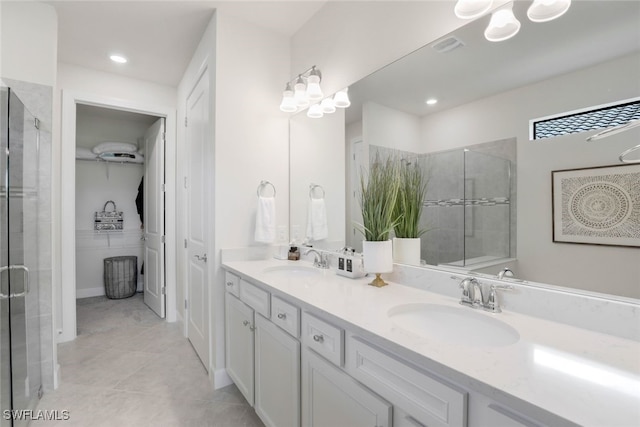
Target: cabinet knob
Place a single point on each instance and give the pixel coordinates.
(245, 323)
(282, 316)
(229, 283)
(318, 338)
(252, 328)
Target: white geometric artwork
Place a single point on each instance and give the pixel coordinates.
(598, 206)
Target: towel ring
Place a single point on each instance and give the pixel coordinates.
(313, 187)
(627, 152)
(264, 184)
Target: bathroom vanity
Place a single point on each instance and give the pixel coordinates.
(308, 347)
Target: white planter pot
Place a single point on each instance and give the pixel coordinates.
(377, 256)
(406, 250)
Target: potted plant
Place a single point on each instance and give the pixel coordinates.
(378, 193)
(408, 209)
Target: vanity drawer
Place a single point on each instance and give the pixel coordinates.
(430, 402)
(327, 340)
(285, 315)
(232, 283)
(254, 297)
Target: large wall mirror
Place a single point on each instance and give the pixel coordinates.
(488, 93)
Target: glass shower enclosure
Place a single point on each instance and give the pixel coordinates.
(20, 352)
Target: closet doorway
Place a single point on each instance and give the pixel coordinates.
(154, 243)
(120, 171)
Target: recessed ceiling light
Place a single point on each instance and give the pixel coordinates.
(431, 101)
(118, 58)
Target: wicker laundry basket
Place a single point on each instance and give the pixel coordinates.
(120, 276)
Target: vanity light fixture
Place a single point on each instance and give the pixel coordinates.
(288, 104)
(328, 106)
(341, 98)
(118, 58)
(431, 101)
(315, 112)
(547, 10)
(471, 9)
(503, 25)
(314, 92)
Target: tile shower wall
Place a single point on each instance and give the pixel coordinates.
(38, 100)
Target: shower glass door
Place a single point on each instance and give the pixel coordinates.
(20, 376)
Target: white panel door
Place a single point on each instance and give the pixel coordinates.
(198, 194)
(154, 283)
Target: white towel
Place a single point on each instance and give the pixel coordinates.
(317, 228)
(121, 147)
(266, 220)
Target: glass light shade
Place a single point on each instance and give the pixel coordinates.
(314, 92)
(288, 104)
(300, 93)
(547, 10)
(503, 25)
(470, 9)
(328, 106)
(341, 98)
(315, 112)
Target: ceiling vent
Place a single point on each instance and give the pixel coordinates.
(447, 45)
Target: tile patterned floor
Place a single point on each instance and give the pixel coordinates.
(129, 368)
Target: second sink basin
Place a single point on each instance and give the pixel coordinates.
(457, 325)
(292, 271)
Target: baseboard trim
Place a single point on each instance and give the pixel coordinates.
(89, 292)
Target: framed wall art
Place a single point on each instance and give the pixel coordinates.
(597, 206)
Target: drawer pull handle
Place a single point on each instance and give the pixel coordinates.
(282, 316)
(229, 283)
(318, 338)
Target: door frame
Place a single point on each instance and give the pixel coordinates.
(66, 293)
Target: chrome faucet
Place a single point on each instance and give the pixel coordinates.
(472, 295)
(320, 259)
(505, 272)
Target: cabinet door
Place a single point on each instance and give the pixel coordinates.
(331, 398)
(277, 375)
(240, 345)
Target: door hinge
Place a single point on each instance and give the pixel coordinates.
(163, 187)
(185, 304)
(164, 136)
(185, 121)
(162, 239)
(185, 182)
(164, 291)
(36, 123)
(185, 243)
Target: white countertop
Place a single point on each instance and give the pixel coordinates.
(586, 377)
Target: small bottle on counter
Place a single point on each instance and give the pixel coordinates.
(294, 253)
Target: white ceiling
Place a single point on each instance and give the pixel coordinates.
(158, 37)
(589, 33)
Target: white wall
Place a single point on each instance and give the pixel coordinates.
(386, 127)
(316, 144)
(28, 49)
(93, 189)
(507, 115)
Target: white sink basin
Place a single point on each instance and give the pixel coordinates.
(292, 271)
(457, 325)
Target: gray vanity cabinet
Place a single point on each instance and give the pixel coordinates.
(240, 345)
(263, 359)
(332, 398)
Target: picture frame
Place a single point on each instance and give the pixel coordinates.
(597, 205)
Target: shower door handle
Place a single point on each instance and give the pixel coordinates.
(2, 294)
(27, 279)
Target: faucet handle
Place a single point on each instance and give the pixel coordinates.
(467, 288)
(493, 305)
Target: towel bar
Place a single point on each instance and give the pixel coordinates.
(312, 187)
(264, 184)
